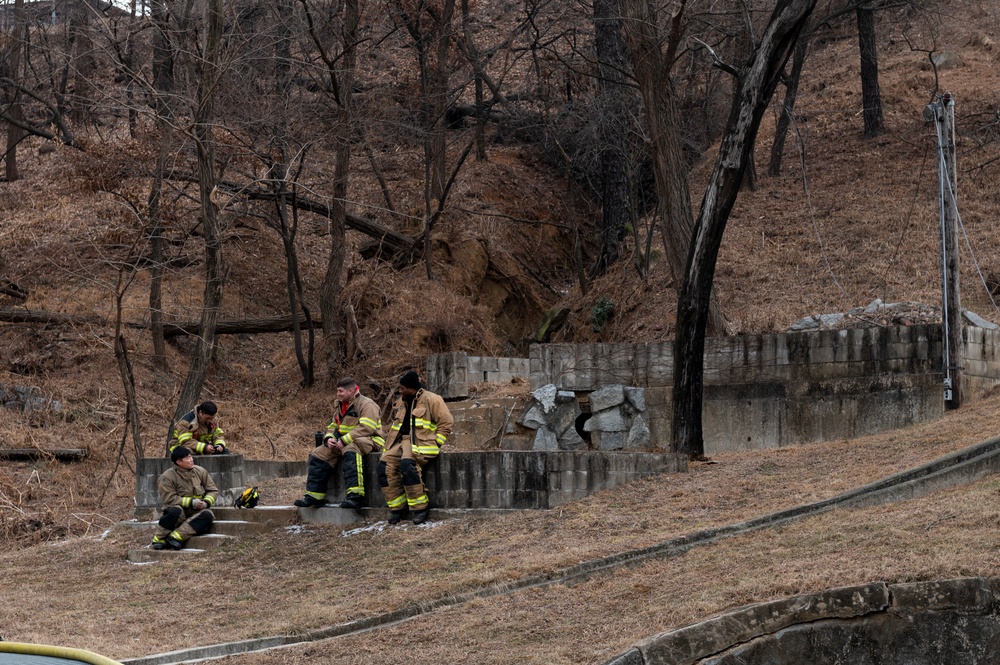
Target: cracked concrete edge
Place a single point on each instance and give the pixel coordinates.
(948, 470)
(690, 645)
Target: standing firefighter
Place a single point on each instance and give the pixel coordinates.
(354, 432)
(198, 431)
(421, 423)
(187, 492)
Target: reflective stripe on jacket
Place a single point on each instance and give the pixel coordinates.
(192, 434)
(363, 420)
(430, 422)
(180, 487)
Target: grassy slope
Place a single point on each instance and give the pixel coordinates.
(82, 592)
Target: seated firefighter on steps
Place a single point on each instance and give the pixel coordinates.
(353, 433)
(187, 492)
(198, 431)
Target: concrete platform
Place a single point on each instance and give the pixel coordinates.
(149, 555)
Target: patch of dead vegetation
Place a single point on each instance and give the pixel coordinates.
(317, 576)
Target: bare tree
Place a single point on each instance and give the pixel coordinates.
(617, 208)
(13, 48)
(652, 66)
(755, 84)
(207, 73)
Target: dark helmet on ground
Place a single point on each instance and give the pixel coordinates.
(248, 499)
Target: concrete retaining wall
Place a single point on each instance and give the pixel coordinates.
(500, 479)
(451, 374)
(227, 471)
(924, 623)
(766, 391)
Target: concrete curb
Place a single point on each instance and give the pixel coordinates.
(963, 466)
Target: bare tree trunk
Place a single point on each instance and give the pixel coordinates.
(871, 98)
(438, 101)
(477, 66)
(652, 71)
(755, 85)
(12, 59)
(83, 62)
(163, 84)
(330, 307)
(788, 106)
(617, 212)
(214, 270)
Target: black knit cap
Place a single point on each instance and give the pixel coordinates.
(410, 380)
(179, 453)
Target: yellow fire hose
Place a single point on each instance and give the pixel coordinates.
(65, 653)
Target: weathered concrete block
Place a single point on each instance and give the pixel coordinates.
(571, 440)
(688, 645)
(546, 397)
(607, 397)
(565, 396)
(636, 397)
(610, 420)
(533, 416)
(608, 440)
(545, 439)
(563, 417)
(638, 435)
(970, 593)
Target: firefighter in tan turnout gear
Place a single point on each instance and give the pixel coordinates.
(187, 492)
(354, 432)
(198, 432)
(421, 423)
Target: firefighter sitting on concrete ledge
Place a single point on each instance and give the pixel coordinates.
(421, 423)
(353, 433)
(198, 431)
(187, 492)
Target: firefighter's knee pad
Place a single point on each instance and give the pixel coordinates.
(202, 522)
(171, 517)
(383, 480)
(408, 469)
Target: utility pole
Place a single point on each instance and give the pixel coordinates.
(951, 318)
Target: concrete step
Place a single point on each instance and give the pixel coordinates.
(225, 527)
(272, 515)
(208, 541)
(240, 527)
(149, 555)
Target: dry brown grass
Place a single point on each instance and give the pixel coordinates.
(81, 591)
(501, 257)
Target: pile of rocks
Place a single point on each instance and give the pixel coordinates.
(552, 413)
(618, 419)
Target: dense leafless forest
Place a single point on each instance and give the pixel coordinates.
(243, 200)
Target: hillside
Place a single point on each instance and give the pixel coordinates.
(850, 220)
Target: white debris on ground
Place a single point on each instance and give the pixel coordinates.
(379, 527)
(297, 528)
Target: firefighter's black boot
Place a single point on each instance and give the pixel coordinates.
(353, 502)
(420, 516)
(309, 501)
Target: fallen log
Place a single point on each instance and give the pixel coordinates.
(271, 324)
(62, 454)
(24, 315)
(245, 326)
